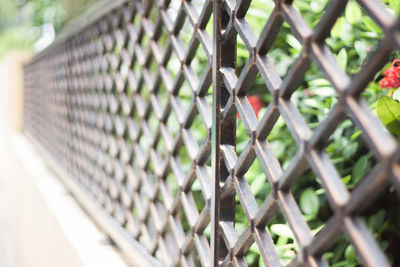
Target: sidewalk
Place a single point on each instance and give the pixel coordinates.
(10, 118)
(7, 172)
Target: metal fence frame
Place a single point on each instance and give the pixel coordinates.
(86, 130)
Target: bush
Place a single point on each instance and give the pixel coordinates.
(352, 39)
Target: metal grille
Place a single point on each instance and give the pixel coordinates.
(122, 105)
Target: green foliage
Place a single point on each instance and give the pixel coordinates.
(353, 13)
(352, 39)
(309, 202)
(14, 38)
(21, 21)
(361, 167)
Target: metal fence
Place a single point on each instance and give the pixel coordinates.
(120, 102)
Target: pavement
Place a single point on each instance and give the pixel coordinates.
(7, 167)
(10, 102)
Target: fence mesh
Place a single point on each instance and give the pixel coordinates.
(151, 111)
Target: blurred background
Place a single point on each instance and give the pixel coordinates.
(32, 24)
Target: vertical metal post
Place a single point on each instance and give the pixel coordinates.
(223, 132)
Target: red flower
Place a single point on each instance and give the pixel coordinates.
(256, 104)
(391, 77)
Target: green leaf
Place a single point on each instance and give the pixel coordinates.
(346, 179)
(376, 221)
(293, 42)
(345, 124)
(260, 261)
(350, 149)
(350, 253)
(259, 183)
(361, 167)
(314, 103)
(338, 28)
(361, 48)
(388, 111)
(251, 258)
(338, 250)
(353, 13)
(282, 230)
(327, 255)
(320, 191)
(319, 82)
(342, 59)
(309, 202)
(371, 25)
(316, 230)
(324, 91)
(356, 134)
(282, 240)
